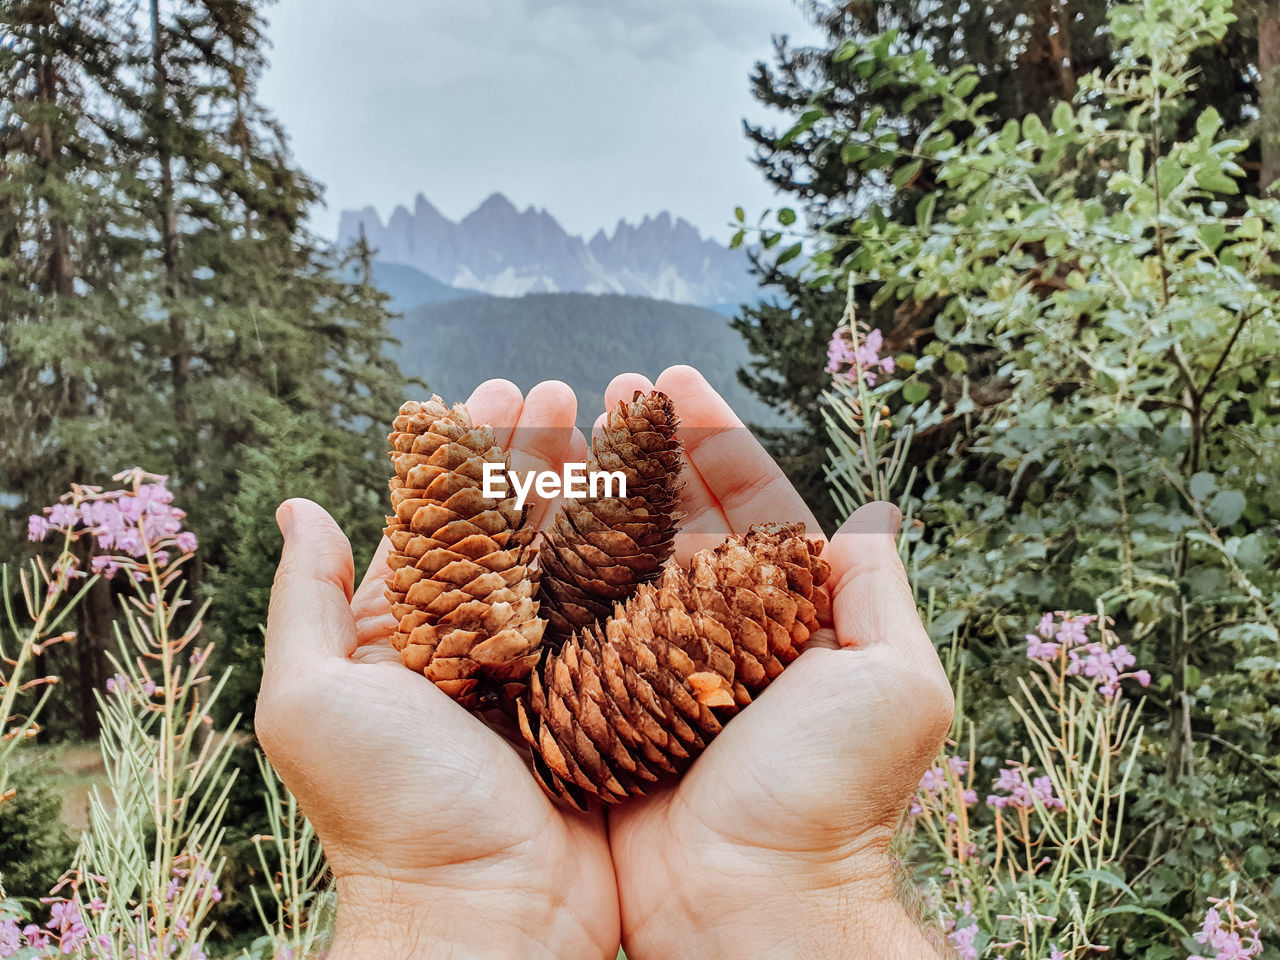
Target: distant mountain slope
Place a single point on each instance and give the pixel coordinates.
(500, 250)
(411, 288)
(582, 339)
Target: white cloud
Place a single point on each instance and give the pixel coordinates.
(594, 110)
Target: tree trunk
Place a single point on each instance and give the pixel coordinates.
(1269, 91)
(179, 339)
(1048, 51)
(58, 277)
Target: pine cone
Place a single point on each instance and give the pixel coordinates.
(620, 705)
(460, 585)
(597, 551)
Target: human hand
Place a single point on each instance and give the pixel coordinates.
(775, 842)
(441, 841)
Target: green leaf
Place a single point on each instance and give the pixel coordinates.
(786, 216)
(1208, 123)
(1063, 117)
(1107, 878)
(853, 152)
(1033, 130)
(1145, 912)
(1257, 861)
(1226, 507)
(925, 208)
(1203, 484)
(1214, 179)
(789, 254)
(913, 391)
(905, 174)
(739, 214)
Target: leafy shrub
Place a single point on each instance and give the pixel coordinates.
(35, 846)
(1119, 449)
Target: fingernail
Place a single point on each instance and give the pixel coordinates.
(284, 519)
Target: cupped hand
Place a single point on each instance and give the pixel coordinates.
(775, 842)
(441, 841)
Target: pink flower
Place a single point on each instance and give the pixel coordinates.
(1234, 938)
(103, 564)
(64, 917)
(936, 782)
(842, 353)
(10, 937)
(36, 938)
(37, 529)
(1094, 660)
(62, 515)
(127, 523)
(1022, 791)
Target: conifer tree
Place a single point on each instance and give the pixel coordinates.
(164, 302)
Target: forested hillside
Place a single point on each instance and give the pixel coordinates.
(583, 339)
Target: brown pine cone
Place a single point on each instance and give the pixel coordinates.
(597, 551)
(623, 704)
(460, 585)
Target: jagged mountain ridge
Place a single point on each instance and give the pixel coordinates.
(503, 251)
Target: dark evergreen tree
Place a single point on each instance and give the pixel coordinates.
(164, 303)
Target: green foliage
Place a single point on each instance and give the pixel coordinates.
(35, 847)
(1102, 292)
(834, 156)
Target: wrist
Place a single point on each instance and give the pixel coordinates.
(383, 919)
(830, 912)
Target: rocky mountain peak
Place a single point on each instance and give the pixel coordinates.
(501, 250)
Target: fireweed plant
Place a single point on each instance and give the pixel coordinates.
(144, 884)
(1017, 857)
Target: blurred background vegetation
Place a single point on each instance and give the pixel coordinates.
(1055, 214)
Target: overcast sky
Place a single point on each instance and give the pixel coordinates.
(593, 109)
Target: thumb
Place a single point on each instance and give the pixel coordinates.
(310, 614)
(871, 600)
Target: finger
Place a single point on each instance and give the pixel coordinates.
(578, 450)
(543, 437)
(496, 403)
(370, 606)
(871, 599)
(310, 613)
(376, 573)
(623, 387)
(704, 524)
(740, 475)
